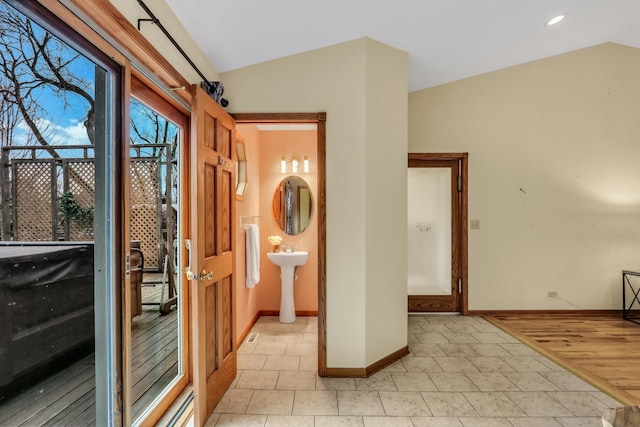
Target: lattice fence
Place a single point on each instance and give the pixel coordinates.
(31, 209)
(79, 180)
(145, 211)
(32, 194)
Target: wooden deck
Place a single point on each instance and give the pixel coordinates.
(67, 397)
(603, 350)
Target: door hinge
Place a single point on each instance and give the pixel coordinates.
(459, 285)
(459, 183)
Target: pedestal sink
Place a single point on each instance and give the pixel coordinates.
(287, 261)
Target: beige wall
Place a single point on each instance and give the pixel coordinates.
(553, 175)
(386, 199)
(132, 11)
(333, 80)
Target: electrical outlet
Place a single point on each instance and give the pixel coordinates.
(552, 294)
(474, 224)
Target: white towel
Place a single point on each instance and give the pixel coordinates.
(252, 255)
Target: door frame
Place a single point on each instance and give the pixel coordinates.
(459, 248)
(145, 91)
(320, 120)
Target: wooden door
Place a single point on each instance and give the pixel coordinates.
(212, 259)
(449, 296)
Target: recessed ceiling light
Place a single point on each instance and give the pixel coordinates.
(555, 20)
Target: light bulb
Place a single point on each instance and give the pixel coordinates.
(283, 166)
(294, 165)
(306, 164)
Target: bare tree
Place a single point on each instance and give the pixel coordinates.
(33, 63)
(9, 115)
(149, 127)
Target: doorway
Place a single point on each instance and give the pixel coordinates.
(437, 232)
(320, 120)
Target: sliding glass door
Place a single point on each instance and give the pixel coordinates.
(59, 257)
(155, 337)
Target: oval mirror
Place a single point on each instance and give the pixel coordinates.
(292, 205)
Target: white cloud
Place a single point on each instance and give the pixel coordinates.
(74, 134)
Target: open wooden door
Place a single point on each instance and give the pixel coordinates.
(212, 259)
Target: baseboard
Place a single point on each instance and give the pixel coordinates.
(301, 313)
(246, 331)
(371, 369)
(576, 312)
(347, 372)
(383, 363)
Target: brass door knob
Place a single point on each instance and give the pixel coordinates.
(208, 275)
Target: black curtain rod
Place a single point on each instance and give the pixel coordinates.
(156, 21)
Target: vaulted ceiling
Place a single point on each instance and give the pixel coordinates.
(446, 40)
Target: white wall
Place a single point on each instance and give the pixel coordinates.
(334, 80)
(554, 178)
(132, 11)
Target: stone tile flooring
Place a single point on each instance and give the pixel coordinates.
(462, 371)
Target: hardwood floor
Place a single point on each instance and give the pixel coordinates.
(603, 350)
(67, 396)
(154, 351)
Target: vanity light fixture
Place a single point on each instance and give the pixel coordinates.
(555, 20)
(294, 165)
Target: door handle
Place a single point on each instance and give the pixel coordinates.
(187, 270)
(206, 275)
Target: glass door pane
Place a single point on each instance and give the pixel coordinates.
(155, 218)
(429, 231)
(53, 233)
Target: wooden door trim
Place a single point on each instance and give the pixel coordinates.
(128, 40)
(414, 159)
(279, 117)
(320, 119)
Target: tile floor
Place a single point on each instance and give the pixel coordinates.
(462, 371)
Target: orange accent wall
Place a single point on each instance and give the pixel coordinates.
(264, 151)
(274, 145)
(247, 299)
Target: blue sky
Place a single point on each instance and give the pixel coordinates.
(62, 113)
(62, 116)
